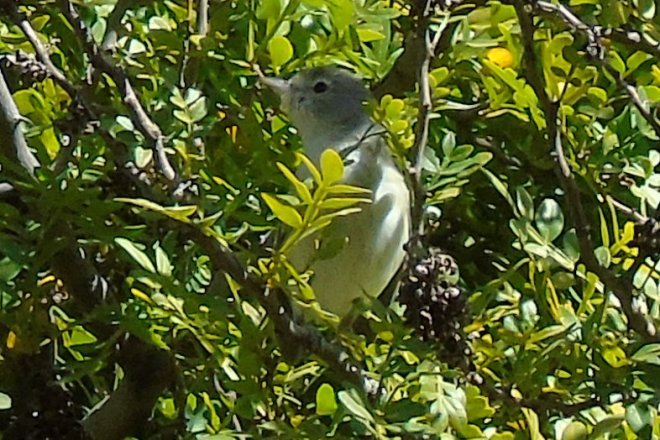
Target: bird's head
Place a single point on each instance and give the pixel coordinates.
(321, 99)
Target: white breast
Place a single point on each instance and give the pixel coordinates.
(373, 239)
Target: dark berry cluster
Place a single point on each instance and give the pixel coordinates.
(435, 306)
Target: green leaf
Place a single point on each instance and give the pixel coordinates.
(340, 203)
(332, 167)
(78, 336)
(354, 405)
(532, 424)
(524, 203)
(549, 219)
(326, 404)
(341, 188)
(367, 35)
(300, 187)
(286, 214)
(311, 167)
(616, 62)
(646, 8)
(140, 257)
(180, 213)
(163, 262)
(639, 416)
(280, 50)
(342, 13)
(574, 431)
(269, 9)
(9, 269)
(649, 353)
(605, 426)
(5, 401)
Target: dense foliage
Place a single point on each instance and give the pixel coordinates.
(139, 185)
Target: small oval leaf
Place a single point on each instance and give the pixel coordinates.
(280, 50)
(332, 167)
(326, 404)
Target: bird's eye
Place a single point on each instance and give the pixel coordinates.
(320, 87)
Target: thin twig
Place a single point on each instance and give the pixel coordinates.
(423, 118)
(641, 106)
(634, 39)
(203, 17)
(40, 49)
(138, 114)
(627, 210)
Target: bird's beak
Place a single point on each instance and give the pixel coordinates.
(278, 85)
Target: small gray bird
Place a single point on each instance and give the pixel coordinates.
(326, 107)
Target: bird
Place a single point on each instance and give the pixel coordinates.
(326, 106)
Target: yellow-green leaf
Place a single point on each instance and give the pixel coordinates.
(286, 214)
(340, 203)
(300, 187)
(326, 404)
(311, 167)
(140, 257)
(280, 50)
(332, 167)
(341, 188)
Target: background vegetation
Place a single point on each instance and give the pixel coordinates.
(136, 149)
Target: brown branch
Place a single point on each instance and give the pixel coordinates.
(42, 53)
(423, 119)
(287, 328)
(138, 114)
(10, 123)
(619, 287)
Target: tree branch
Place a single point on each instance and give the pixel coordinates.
(138, 114)
(203, 17)
(286, 327)
(423, 116)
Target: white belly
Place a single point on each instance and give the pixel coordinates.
(372, 250)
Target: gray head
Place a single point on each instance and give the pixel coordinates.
(322, 101)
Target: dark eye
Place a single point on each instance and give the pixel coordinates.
(320, 87)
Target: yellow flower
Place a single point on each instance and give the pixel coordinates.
(500, 56)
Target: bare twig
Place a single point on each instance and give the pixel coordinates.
(203, 17)
(622, 289)
(641, 106)
(423, 117)
(10, 122)
(627, 210)
(138, 114)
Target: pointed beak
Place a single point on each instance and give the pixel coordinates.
(278, 85)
